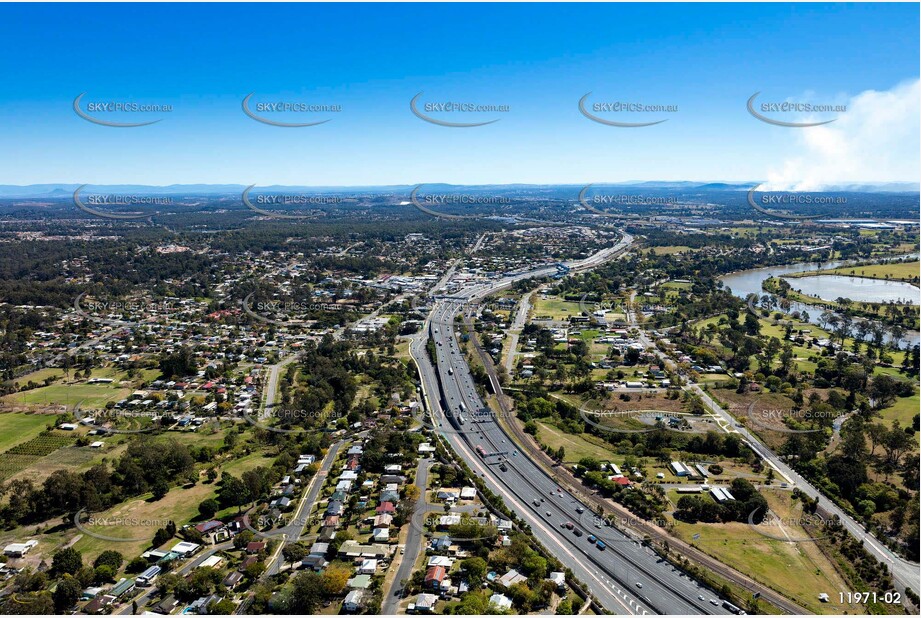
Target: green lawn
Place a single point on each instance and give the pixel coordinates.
(590, 335)
(576, 446)
(557, 309)
(668, 250)
(70, 392)
(903, 411)
(17, 428)
(799, 570)
(92, 395)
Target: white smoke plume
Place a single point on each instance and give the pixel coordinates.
(876, 141)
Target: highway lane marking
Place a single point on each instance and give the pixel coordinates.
(456, 380)
(460, 444)
(458, 376)
(540, 524)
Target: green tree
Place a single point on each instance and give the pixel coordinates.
(207, 508)
(160, 489)
(475, 568)
(136, 565)
(306, 593)
(293, 553)
(104, 574)
(67, 560)
(66, 593)
(111, 558)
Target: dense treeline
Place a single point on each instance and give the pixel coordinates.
(149, 464)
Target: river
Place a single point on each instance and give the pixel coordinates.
(828, 287)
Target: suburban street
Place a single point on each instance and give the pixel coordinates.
(293, 531)
(181, 571)
(414, 541)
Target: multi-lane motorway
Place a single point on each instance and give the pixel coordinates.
(624, 576)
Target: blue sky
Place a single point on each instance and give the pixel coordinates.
(372, 59)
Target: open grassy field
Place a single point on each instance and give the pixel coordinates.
(142, 375)
(18, 428)
(894, 271)
(555, 308)
(92, 395)
(903, 411)
(589, 335)
(800, 570)
(39, 376)
(715, 320)
(669, 250)
(576, 446)
(905, 247)
(66, 391)
(402, 351)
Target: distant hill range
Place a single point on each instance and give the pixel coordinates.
(64, 190)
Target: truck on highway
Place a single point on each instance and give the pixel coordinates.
(733, 608)
(481, 451)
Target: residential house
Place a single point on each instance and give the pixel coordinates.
(501, 602)
(232, 580)
(359, 582)
(167, 605)
(425, 604)
(434, 576)
(353, 601)
(511, 578)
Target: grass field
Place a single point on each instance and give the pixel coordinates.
(67, 391)
(556, 309)
(893, 271)
(799, 570)
(589, 335)
(18, 428)
(903, 411)
(142, 516)
(92, 395)
(576, 446)
(669, 250)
